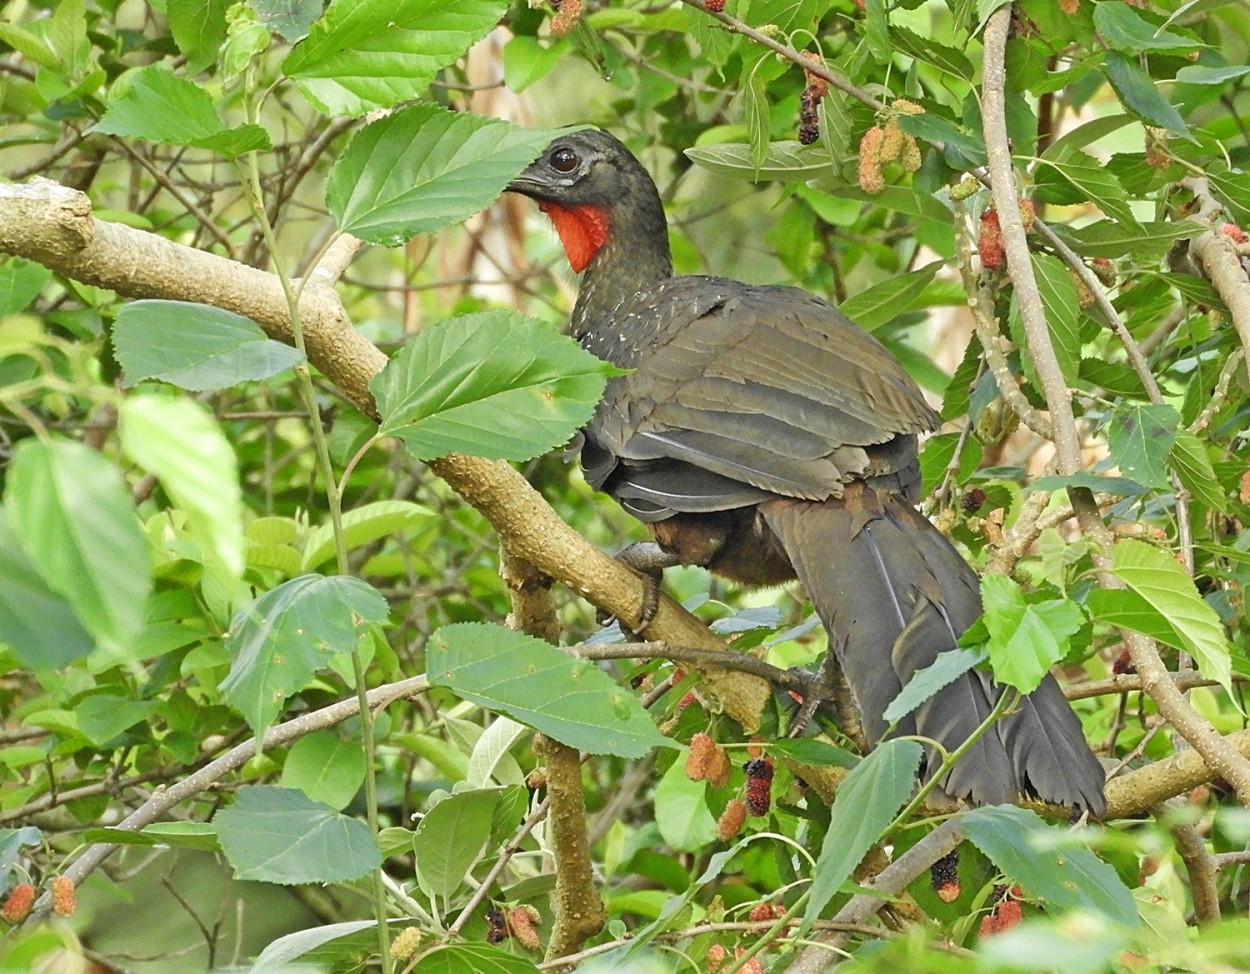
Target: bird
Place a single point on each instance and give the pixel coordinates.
(761, 434)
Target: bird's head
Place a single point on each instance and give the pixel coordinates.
(588, 183)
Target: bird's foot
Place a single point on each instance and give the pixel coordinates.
(649, 560)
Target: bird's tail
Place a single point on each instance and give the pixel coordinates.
(893, 593)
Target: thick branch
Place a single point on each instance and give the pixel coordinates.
(48, 223)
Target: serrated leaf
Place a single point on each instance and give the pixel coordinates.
(290, 19)
(362, 525)
(195, 346)
(38, 623)
(367, 54)
(809, 750)
(947, 59)
(1058, 295)
(1026, 638)
(1020, 844)
(325, 767)
(1167, 607)
(534, 682)
(1140, 436)
(1107, 238)
(1140, 96)
(157, 105)
(786, 161)
(945, 670)
(73, 517)
(178, 441)
(494, 384)
(287, 634)
(1232, 188)
(868, 799)
(876, 30)
(423, 168)
(1125, 29)
(874, 306)
(1093, 181)
(198, 28)
(963, 149)
(277, 835)
(451, 837)
(1192, 464)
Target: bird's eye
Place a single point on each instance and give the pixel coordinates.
(564, 160)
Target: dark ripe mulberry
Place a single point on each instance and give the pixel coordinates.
(759, 785)
(809, 115)
(972, 501)
(497, 927)
(944, 877)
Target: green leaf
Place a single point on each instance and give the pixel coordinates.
(527, 60)
(367, 54)
(756, 110)
(450, 839)
(1108, 238)
(945, 670)
(290, 19)
(1140, 436)
(681, 811)
(40, 625)
(276, 835)
(195, 346)
(494, 384)
(876, 30)
(73, 517)
(363, 525)
(1232, 188)
(20, 283)
(199, 29)
(154, 104)
(1167, 607)
(1058, 295)
(535, 683)
(333, 947)
(325, 767)
(1093, 181)
(1026, 638)
(947, 59)
(874, 306)
(473, 959)
(787, 162)
(103, 716)
(178, 441)
(423, 168)
(867, 802)
(201, 836)
(1192, 464)
(287, 634)
(1203, 74)
(963, 149)
(1140, 96)
(809, 750)
(1124, 29)
(1023, 846)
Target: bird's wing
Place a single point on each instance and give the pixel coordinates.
(765, 386)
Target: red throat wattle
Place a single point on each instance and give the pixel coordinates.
(583, 229)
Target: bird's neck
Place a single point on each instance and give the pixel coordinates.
(633, 256)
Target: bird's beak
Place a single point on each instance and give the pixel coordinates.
(526, 184)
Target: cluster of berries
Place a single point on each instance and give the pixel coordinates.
(20, 900)
(888, 143)
(707, 761)
(520, 923)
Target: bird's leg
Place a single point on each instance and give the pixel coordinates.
(648, 559)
